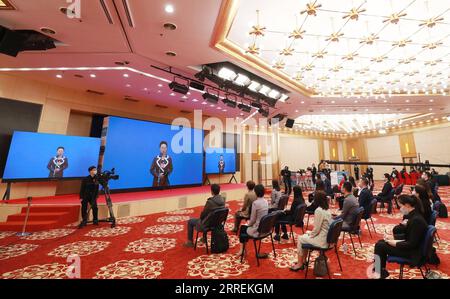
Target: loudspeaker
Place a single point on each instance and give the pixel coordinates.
(290, 123)
(11, 42)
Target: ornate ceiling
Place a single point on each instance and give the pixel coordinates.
(335, 48)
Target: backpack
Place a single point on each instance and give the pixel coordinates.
(320, 266)
(434, 258)
(219, 240)
(443, 213)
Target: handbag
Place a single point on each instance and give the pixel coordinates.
(321, 266)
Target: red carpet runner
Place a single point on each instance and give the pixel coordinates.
(151, 247)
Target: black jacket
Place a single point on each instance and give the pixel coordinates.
(212, 203)
(387, 188)
(414, 233)
(89, 188)
(365, 198)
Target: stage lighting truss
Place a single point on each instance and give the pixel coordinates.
(254, 86)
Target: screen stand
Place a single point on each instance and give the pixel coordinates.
(7, 194)
(206, 181)
(233, 178)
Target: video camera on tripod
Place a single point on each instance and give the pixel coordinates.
(103, 179)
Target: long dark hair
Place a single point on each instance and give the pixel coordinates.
(321, 200)
(352, 181)
(424, 197)
(298, 194)
(276, 185)
(423, 183)
(320, 186)
(345, 177)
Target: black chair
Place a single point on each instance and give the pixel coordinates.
(433, 219)
(296, 219)
(244, 218)
(388, 199)
(355, 229)
(265, 229)
(216, 219)
(282, 203)
(427, 249)
(309, 213)
(332, 239)
(398, 191)
(372, 208)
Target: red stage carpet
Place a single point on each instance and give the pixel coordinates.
(151, 247)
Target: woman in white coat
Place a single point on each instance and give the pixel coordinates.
(318, 236)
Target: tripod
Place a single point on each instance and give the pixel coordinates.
(108, 200)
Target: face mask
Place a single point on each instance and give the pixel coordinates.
(404, 211)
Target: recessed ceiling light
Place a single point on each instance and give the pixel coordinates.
(126, 75)
(169, 8)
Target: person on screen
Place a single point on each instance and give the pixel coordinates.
(221, 165)
(58, 164)
(89, 195)
(161, 167)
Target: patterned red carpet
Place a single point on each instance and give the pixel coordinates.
(151, 247)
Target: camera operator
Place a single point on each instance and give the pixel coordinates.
(89, 194)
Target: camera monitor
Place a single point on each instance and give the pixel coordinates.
(38, 156)
(220, 160)
(152, 155)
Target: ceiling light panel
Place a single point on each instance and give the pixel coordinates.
(342, 47)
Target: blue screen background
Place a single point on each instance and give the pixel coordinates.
(131, 146)
(213, 156)
(30, 153)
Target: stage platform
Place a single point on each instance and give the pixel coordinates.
(133, 203)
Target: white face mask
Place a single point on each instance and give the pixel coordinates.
(404, 211)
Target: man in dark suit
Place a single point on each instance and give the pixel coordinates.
(89, 195)
(286, 174)
(356, 169)
(386, 193)
(58, 164)
(365, 197)
(213, 203)
(313, 173)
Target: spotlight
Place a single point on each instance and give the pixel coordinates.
(227, 74)
(256, 105)
(284, 98)
(212, 98)
(197, 85)
(178, 87)
(263, 112)
(206, 72)
(229, 103)
(245, 108)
